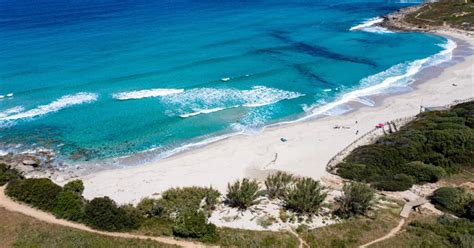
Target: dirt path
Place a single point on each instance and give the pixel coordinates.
(303, 243)
(392, 233)
(13, 206)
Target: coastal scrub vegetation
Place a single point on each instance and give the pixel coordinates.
(7, 174)
(39, 192)
(305, 196)
(243, 194)
(457, 201)
(455, 13)
(436, 144)
(356, 199)
(277, 184)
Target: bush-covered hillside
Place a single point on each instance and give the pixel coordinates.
(436, 144)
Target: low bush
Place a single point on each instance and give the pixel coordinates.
(104, 214)
(41, 193)
(75, 186)
(277, 184)
(242, 194)
(469, 210)
(149, 207)
(69, 206)
(305, 196)
(7, 174)
(452, 200)
(424, 172)
(356, 199)
(176, 200)
(399, 182)
(193, 224)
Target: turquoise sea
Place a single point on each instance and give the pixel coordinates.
(93, 80)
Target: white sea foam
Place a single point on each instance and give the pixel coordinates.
(370, 25)
(396, 76)
(201, 111)
(11, 111)
(61, 103)
(207, 100)
(145, 93)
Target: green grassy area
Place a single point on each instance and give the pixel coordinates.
(227, 236)
(354, 231)
(455, 13)
(431, 231)
(17, 230)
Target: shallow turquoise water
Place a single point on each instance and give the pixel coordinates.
(78, 69)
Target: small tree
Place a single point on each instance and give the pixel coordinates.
(69, 206)
(305, 196)
(242, 194)
(75, 186)
(193, 224)
(277, 184)
(356, 199)
(103, 213)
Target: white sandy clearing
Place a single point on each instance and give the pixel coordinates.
(309, 147)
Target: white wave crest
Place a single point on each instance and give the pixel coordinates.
(370, 25)
(145, 93)
(61, 103)
(398, 75)
(207, 100)
(11, 111)
(202, 111)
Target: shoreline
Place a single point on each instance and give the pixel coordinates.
(310, 143)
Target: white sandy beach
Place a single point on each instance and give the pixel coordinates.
(310, 144)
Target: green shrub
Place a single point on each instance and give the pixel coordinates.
(277, 184)
(7, 174)
(305, 196)
(41, 193)
(193, 224)
(242, 194)
(179, 199)
(149, 207)
(440, 140)
(75, 186)
(469, 210)
(452, 200)
(399, 182)
(356, 199)
(102, 213)
(69, 206)
(424, 172)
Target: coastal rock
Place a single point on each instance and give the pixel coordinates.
(31, 162)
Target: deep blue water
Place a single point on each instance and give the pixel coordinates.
(78, 69)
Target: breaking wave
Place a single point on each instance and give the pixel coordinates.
(370, 25)
(61, 103)
(208, 100)
(145, 93)
(396, 76)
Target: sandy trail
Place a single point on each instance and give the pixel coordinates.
(392, 233)
(13, 206)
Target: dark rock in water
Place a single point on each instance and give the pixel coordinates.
(31, 162)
